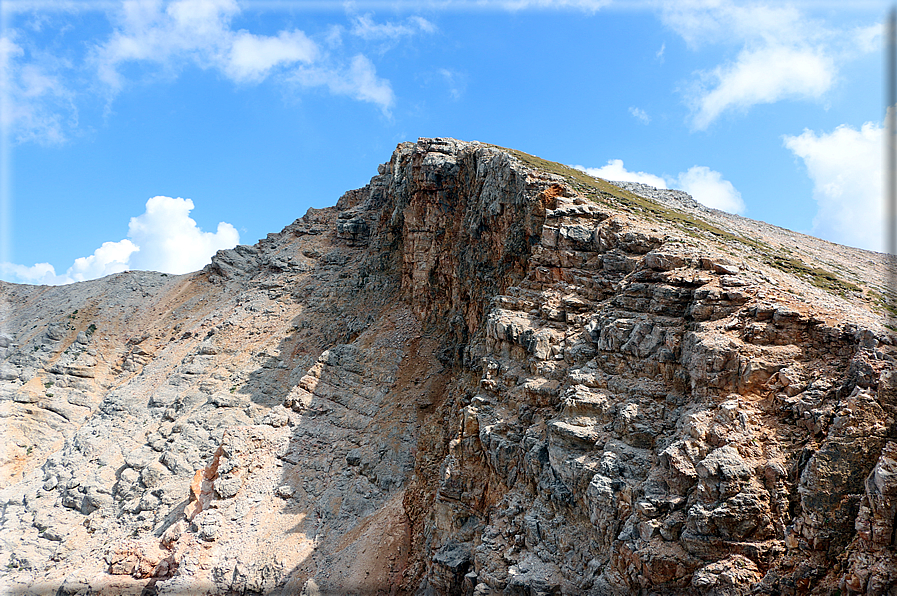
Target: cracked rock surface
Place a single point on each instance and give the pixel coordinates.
(482, 373)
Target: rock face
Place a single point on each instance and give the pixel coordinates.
(482, 373)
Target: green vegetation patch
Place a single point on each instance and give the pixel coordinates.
(883, 303)
(815, 275)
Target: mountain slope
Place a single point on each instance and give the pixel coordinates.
(481, 373)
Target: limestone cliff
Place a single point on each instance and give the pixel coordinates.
(482, 373)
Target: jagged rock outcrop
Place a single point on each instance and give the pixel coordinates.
(482, 373)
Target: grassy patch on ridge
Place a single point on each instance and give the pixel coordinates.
(603, 191)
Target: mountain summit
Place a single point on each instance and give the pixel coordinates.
(482, 373)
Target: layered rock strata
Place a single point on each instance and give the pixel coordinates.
(482, 373)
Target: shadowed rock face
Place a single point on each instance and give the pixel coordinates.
(472, 376)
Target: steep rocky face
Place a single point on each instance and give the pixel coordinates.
(480, 374)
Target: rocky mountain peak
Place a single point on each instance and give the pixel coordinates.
(481, 373)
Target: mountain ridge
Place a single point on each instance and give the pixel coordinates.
(481, 373)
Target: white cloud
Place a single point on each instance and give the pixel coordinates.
(195, 31)
(514, 5)
(365, 28)
(8, 50)
(359, 81)
(34, 103)
(701, 22)
(150, 31)
(111, 257)
(169, 239)
(150, 38)
(868, 39)
(709, 188)
(845, 166)
(457, 82)
(615, 171)
(253, 56)
(640, 115)
(200, 32)
(39, 273)
(164, 238)
(705, 185)
(761, 76)
(784, 54)
(660, 52)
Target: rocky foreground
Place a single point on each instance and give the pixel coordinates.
(483, 373)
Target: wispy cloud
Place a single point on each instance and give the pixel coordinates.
(200, 31)
(35, 104)
(784, 54)
(640, 115)
(168, 35)
(366, 28)
(588, 6)
(845, 166)
(150, 38)
(761, 76)
(164, 238)
(457, 82)
(359, 80)
(197, 32)
(867, 39)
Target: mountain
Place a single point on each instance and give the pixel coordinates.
(482, 373)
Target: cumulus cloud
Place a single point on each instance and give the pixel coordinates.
(784, 54)
(253, 56)
(149, 31)
(111, 257)
(640, 115)
(615, 171)
(170, 240)
(709, 188)
(706, 186)
(197, 31)
(164, 238)
(39, 273)
(845, 166)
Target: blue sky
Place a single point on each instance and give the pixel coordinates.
(148, 134)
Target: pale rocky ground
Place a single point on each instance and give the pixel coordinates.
(472, 376)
